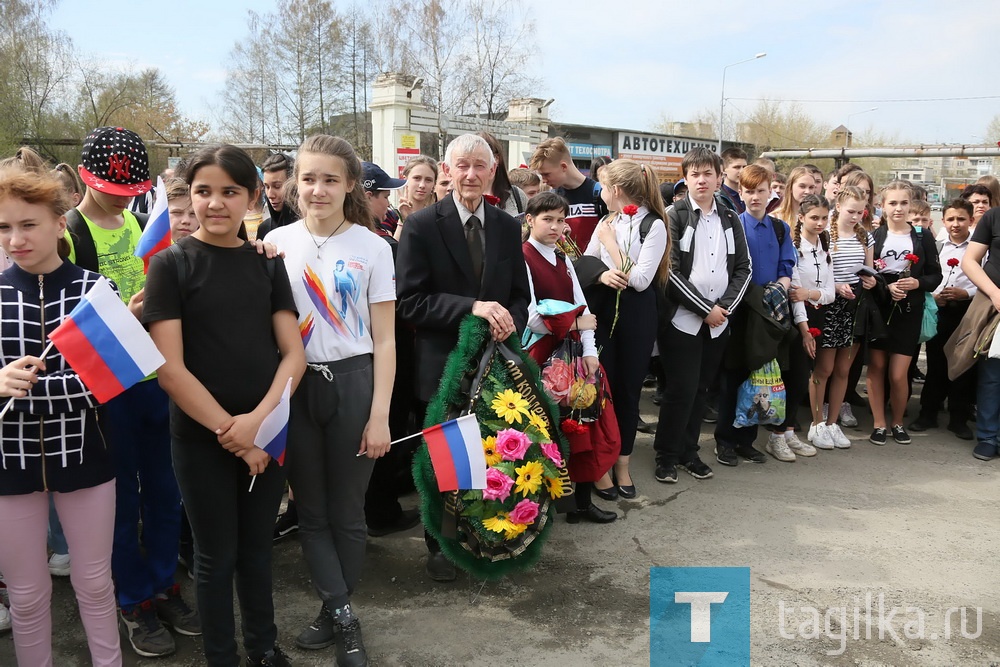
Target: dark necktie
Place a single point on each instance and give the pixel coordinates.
(474, 238)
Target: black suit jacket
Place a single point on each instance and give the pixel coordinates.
(435, 284)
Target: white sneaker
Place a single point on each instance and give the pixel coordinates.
(59, 565)
(777, 448)
(4, 618)
(826, 411)
(840, 441)
(821, 437)
(847, 417)
(797, 446)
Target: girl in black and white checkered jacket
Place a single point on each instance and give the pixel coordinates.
(50, 440)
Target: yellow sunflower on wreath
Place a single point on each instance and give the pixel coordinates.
(529, 478)
(509, 405)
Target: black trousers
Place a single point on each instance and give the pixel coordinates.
(961, 393)
(690, 365)
(796, 378)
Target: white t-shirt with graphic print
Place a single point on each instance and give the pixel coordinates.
(334, 285)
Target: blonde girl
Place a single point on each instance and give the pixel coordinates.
(908, 265)
(801, 183)
(623, 303)
(421, 173)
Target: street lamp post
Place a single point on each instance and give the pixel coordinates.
(851, 115)
(722, 102)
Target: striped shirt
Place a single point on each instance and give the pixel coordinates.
(847, 258)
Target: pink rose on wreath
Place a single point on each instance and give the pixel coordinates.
(524, 512)
(498, 485)
(551, 450)
(557, 378)
(512, 444)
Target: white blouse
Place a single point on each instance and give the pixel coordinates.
(646, 256)
(812, 272)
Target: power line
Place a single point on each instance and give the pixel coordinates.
(926, 99)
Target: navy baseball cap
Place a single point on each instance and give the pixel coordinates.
(374, 179)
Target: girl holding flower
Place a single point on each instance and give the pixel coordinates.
(634, 262)
(551, 276)
(908, 264)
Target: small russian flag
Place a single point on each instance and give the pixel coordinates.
(272, 436)
(456, 450)
(105, 344)
(156, 236)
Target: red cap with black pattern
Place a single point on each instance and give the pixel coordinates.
(115, 161)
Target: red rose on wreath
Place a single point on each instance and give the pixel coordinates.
(630, 210)
(953, 262)
(557, 378)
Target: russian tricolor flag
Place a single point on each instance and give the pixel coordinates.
(456, 450)
(105, 344)
(272, 436)
(156, 236)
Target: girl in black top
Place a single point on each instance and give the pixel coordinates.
(226, 324)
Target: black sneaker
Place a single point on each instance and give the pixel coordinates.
(919, 377)
(666, 473)
(726, 456)
(921, 424)
(645, 427)
(878, 436)
(711, 415)
(985, 451)
(175, 613)
(145, 633)
(697, 468)
(320, 633)
(900, 435)
(407, 519)
(350, 646)
(273, 658)
(961, 431)
(287, 523)
(751, 454)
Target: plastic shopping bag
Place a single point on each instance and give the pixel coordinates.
(761, 398)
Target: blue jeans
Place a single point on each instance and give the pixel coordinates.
(988, 401)
(57, 540)
(137, 424)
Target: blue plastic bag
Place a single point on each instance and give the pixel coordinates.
(761, 398)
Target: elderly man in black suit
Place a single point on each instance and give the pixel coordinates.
(460, 256)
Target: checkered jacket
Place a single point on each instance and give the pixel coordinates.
(49, 440)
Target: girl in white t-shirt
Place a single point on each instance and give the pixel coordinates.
(343, 282)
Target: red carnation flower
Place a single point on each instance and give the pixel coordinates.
(630, 210)
(490, 199)
(953, 262)
(571, 426)
(911, 258)
(814, 332)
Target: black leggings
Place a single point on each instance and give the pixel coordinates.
(625, 354)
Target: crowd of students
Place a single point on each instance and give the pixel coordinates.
(285, 275)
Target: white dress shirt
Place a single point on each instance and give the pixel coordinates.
(535, 321)
(955, 277)
(709, 270)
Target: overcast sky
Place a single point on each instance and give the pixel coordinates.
(624, 64)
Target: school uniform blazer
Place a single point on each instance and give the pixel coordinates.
(683, 222)
(928, 270)
(435, 286)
